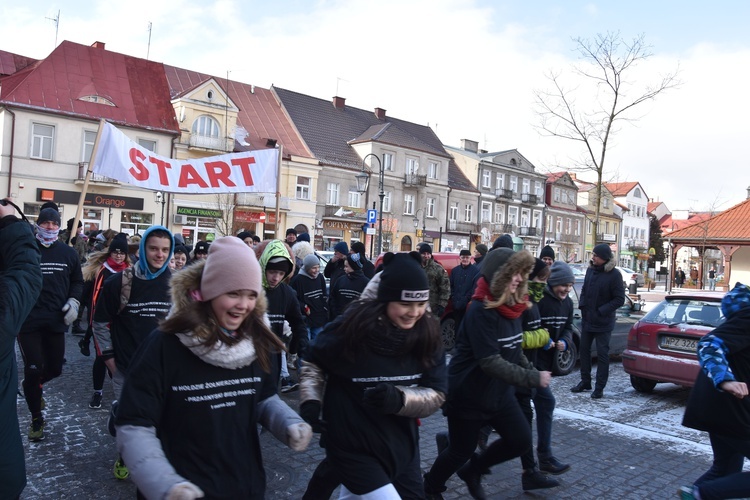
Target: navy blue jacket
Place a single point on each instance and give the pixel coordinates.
(462, 285)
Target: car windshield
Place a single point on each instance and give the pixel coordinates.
(688, 311)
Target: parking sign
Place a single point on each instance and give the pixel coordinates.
(372, 216)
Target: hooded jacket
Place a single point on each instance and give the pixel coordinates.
(602, 294)
(21, 283)
(440, 286)
(312, 297)
(282, 300)
(118, 331)
(488, 360)
(182, 397)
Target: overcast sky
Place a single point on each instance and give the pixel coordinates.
(467, 68)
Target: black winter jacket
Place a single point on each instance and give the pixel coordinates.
(602, 294)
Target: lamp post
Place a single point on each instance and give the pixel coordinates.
(160, 197)
(363, 183)
(416, 221)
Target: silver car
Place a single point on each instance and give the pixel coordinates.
(629, 276)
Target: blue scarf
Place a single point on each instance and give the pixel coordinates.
(46, 236)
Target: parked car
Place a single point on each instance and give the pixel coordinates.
(662, 345)
(629, 276)
(325, 256)
(627, 316)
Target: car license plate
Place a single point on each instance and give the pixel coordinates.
(681, 344)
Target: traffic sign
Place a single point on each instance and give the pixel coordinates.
(372, 216)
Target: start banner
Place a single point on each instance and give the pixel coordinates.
(120, 158)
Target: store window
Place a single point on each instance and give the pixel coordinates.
(135, 222)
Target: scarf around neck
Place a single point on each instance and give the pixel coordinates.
(482, 292)
(114, 266)
(46, 236)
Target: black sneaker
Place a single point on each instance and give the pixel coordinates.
(288, 384)
(77, 328)
(553, 466)
(96, 400)
(597, 394)
(84, 347)
(473, 479)
(532, 479)
(582, 386)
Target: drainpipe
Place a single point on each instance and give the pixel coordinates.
(12, 141)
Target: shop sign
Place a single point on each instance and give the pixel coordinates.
(91, 200)
(200, 212)
(344, 226)
(257, 217)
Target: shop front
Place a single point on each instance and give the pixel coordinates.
(259, 222)
(198, 224)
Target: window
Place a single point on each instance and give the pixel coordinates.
(486, 178)
(387, 202)
(578, 228)
(303, 188)
(468, 213)
(146, 144)
(512, 215)
(537, 219)
(486, 211)
(89, 137)
(354, 199)
(499, 214)
(605, 202)
(549, 224)
(589, 226)
(333, 194)
(556, 194)
(42, 139)
(558, 225)
(500, 181)
(453, 211)
(135, 222)
(411, 166)
(537, 188)
(568, 225)
(514, 183)
(430, 207)
(526, 185)
(606, 227)
(388, 162)
(206, 126)
(525, 217)
(637, 193)
(409, 204)
(433, 171)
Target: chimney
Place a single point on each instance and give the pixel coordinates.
(469, 145)
(572, 175)
(338, 102)
(748, 192)
(380, 115)
(98, 45)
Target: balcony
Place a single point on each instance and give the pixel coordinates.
(529, 198)
(265, 200)
(95, 178)
(528, 231)
(606, 237)
(415, 180)
(503, 194)
(463, 227)
(344, 212)
(223, 144)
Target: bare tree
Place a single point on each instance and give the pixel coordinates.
(608, 61)
(226, 203)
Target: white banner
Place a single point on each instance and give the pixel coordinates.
(120, 158)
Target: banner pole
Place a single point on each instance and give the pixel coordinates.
(278, 189)
(84, 190)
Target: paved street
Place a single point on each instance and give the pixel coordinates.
(626, 445)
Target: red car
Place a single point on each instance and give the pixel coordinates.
(662, 345)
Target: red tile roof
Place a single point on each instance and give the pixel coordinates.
(732, 224)
(137, 87)
(260, 114)
(552, 177)
(620, 188)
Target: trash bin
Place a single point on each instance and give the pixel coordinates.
(633, 288)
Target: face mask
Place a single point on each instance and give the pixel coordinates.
(46, 236)
(536, 290)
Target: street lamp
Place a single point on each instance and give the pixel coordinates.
(416, 221)
(363, 182)
(160, 197)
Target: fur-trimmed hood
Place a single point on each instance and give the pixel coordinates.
(519, 263)
(607, 267)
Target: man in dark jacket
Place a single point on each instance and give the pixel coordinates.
(368, 269)
(335, 267)
(602, 294)
(42, 336)
(718, 402)
(20, 282)
(462, 285)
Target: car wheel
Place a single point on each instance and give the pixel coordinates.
(448, 332)
(564, 361)
(641, 384)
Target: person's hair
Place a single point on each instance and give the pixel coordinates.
(199, 319)
(95, 261)
(159, 233)
(424, 341)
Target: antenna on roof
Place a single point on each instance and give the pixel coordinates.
(148, 48)
(56, 19)
(339, 79)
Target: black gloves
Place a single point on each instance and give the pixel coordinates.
(439, 310)
(384, 398)
(310, 413)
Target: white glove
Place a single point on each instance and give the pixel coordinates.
(184, 491)
(71, 311)
(299, 436)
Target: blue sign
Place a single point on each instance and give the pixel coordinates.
(372, 216)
